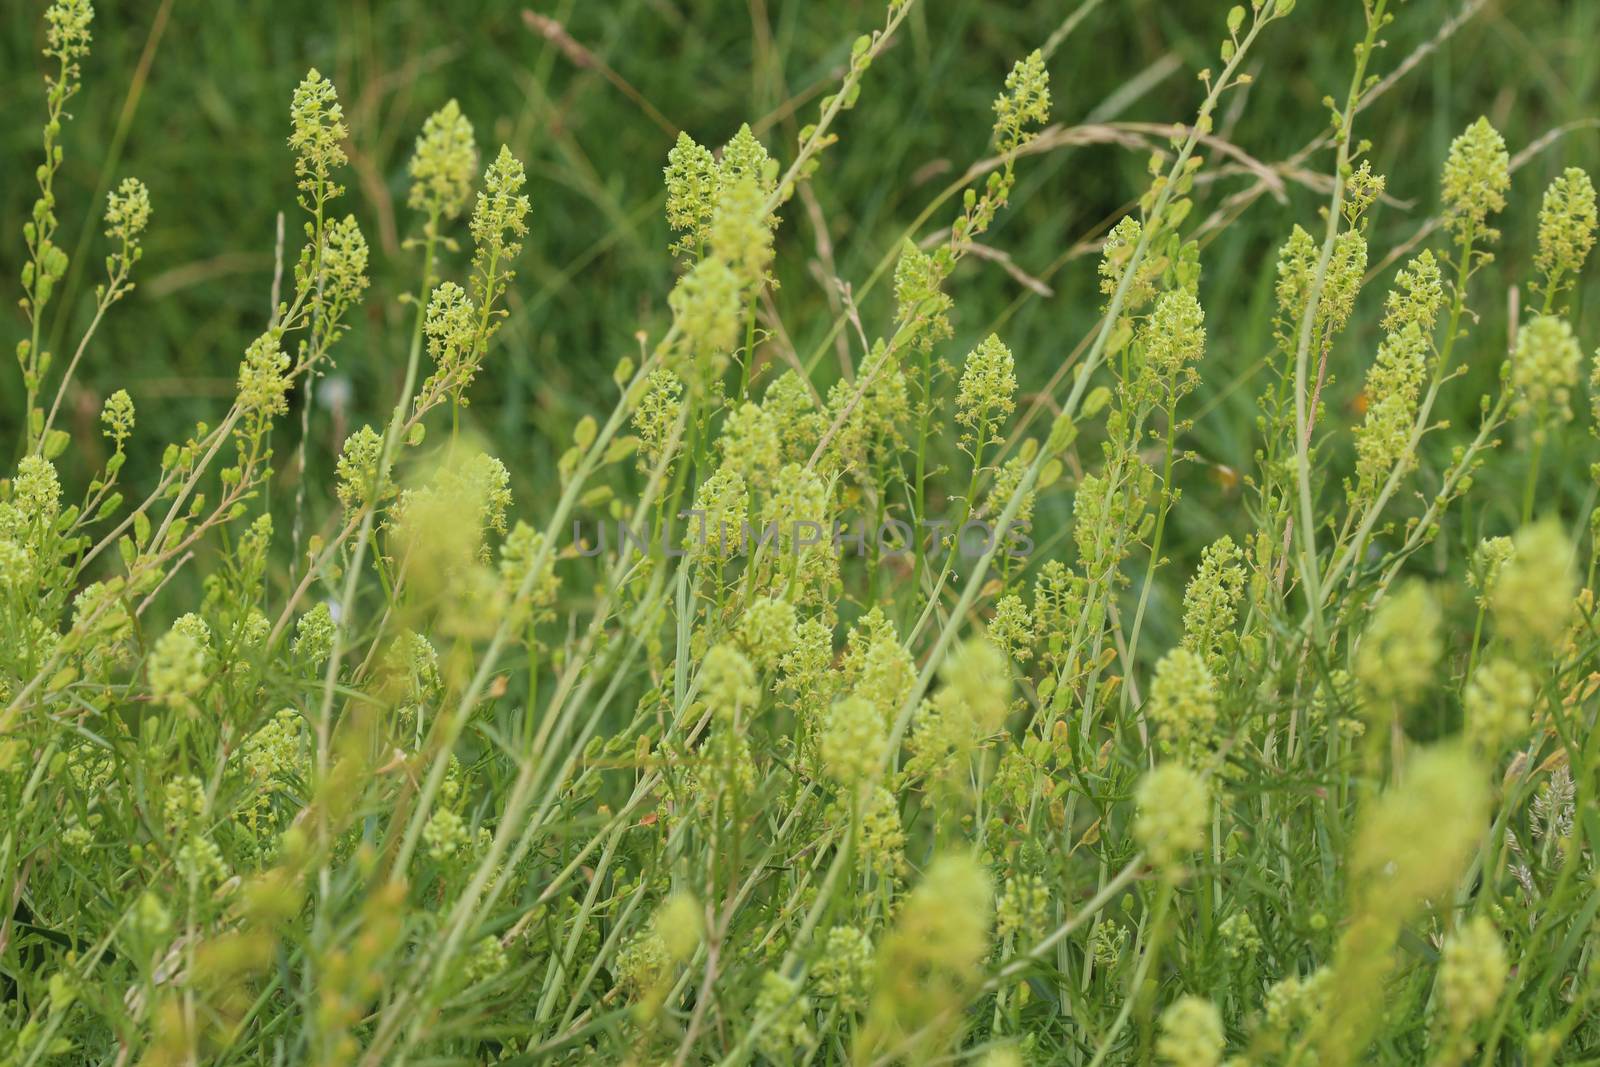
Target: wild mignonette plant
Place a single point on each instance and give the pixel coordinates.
(774, 731)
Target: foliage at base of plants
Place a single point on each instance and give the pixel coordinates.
(831, 753)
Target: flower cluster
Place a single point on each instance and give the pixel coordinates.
(1400, 649)
(986, 395)
(317, 136)
(444, 165)
(1174, 809)
(1472, 974)
(179, 662)
(1566, 229)
(1544, 371)
(1191, 1034)
(1183, 702)
(1477, 174)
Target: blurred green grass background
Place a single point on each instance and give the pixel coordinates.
(192, 97)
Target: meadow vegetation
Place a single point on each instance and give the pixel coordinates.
(957, 704)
